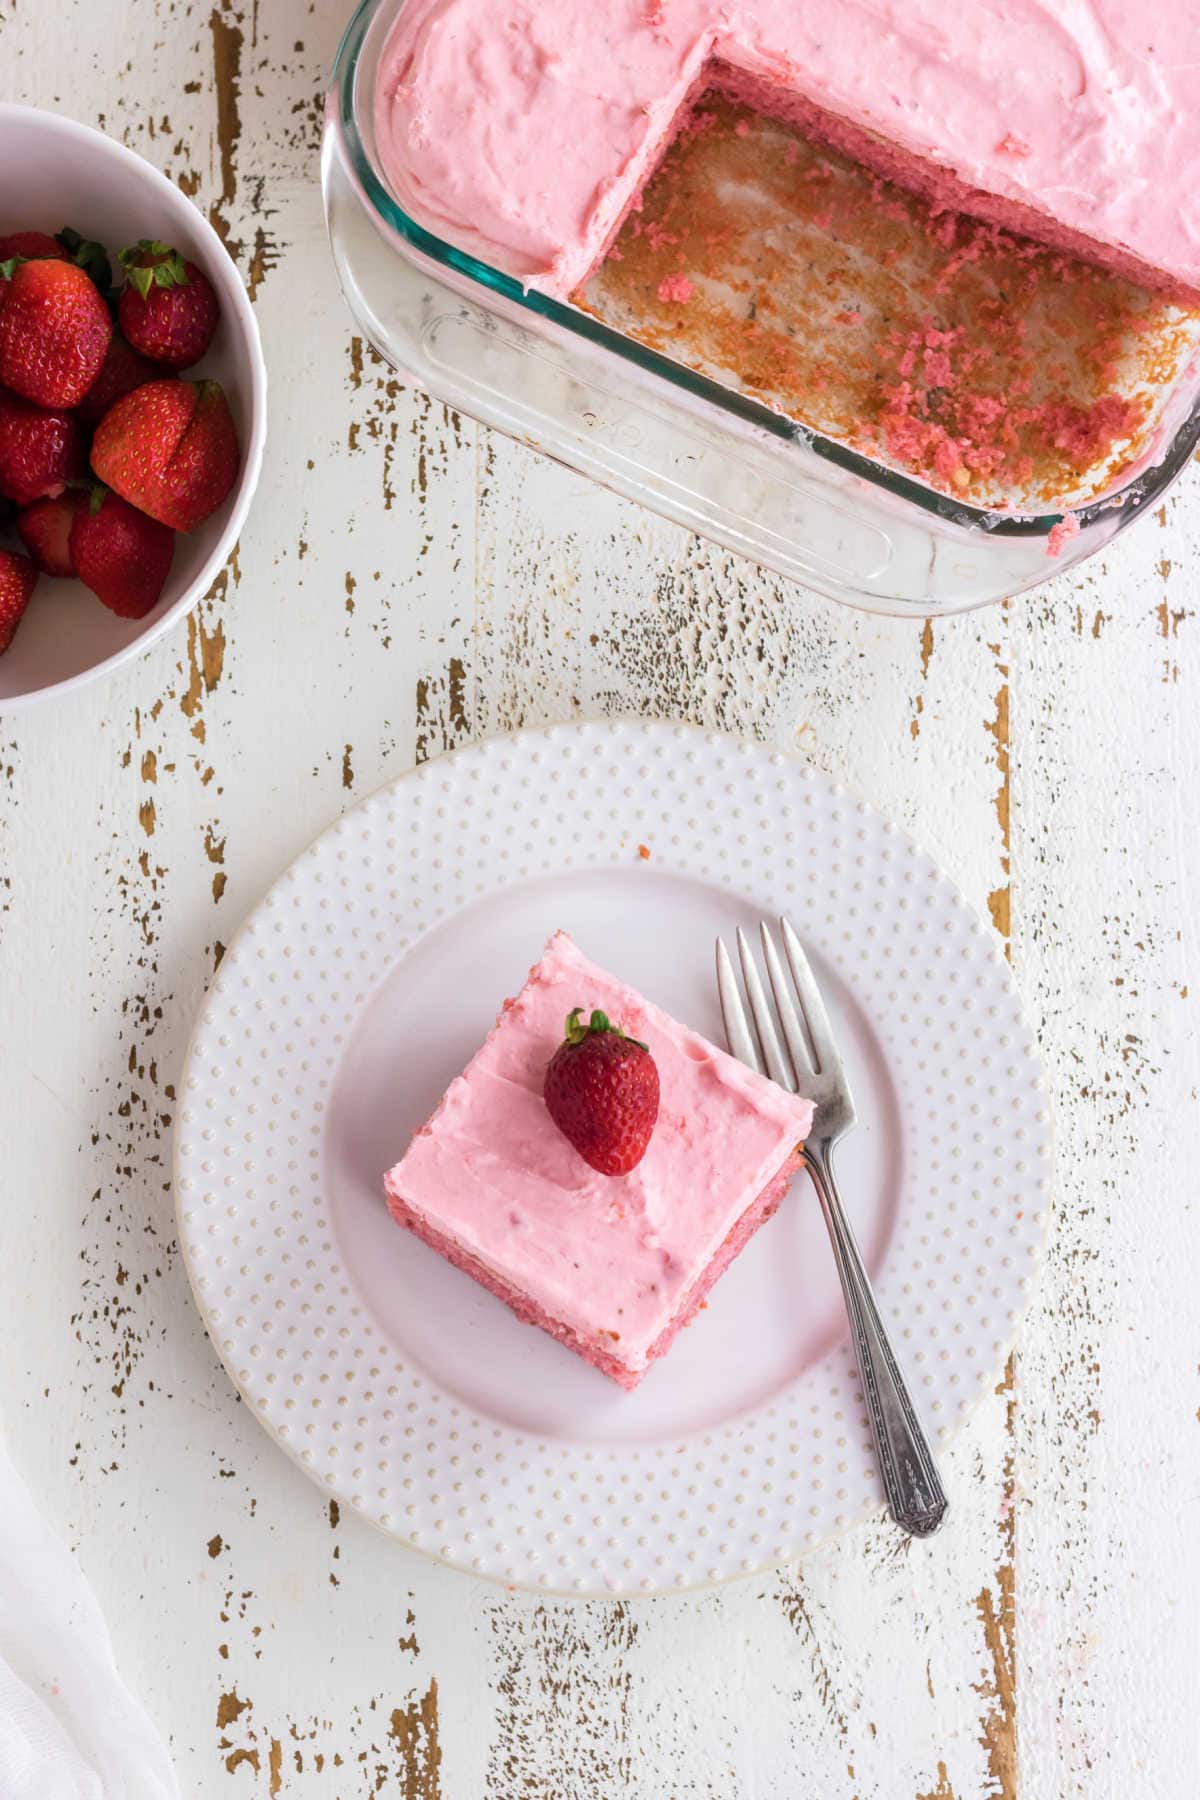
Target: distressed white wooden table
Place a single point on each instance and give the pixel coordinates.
(408, 583)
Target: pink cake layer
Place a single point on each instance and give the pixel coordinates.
(613, 1264)
(522, 131)
(600, 1358)
(942, 187)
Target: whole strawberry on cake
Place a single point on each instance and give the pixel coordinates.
(598, 1165)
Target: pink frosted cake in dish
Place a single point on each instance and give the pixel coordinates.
(610, 1266)
(524, 130)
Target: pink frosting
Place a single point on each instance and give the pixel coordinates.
(615, 1259)
(521, 130)
(600, 1354)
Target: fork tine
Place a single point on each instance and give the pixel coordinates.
(825, 1052)
(760, 1010)
(793, 1030)
(738, 1034)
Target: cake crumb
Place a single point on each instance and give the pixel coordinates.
(1068, 527)
(643, 852)
(1001, 373)
(675, 287)
(1012, 145)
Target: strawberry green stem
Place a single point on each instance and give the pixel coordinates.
(576, 1031)
(150, 263)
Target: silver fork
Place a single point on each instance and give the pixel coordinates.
(813, 1067)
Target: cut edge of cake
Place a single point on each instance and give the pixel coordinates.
(626, 1375)
(937, 183)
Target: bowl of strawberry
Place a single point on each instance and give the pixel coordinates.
(132, 405)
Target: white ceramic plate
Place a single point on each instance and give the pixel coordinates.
(366, 980)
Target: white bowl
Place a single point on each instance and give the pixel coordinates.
(54, 172)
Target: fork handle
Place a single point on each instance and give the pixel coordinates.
(915, 1496)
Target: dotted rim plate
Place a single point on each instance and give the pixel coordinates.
(280, 1302)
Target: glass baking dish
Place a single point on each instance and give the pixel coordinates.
(656, 431)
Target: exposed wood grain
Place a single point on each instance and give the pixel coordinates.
(997, 1604)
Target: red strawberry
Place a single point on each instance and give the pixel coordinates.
(39, 451)
(45, 530)
(54, 331)
(69, 246)
(167, 309)
(601, 1090)
(29, 244)
(170, 449)
(18, 577)
(120, 554)
(121, 371)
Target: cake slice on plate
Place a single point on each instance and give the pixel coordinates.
(611, 1266)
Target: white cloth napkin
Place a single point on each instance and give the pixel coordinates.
(69, 1727)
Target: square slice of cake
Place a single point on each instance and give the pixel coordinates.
(611, 1266)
